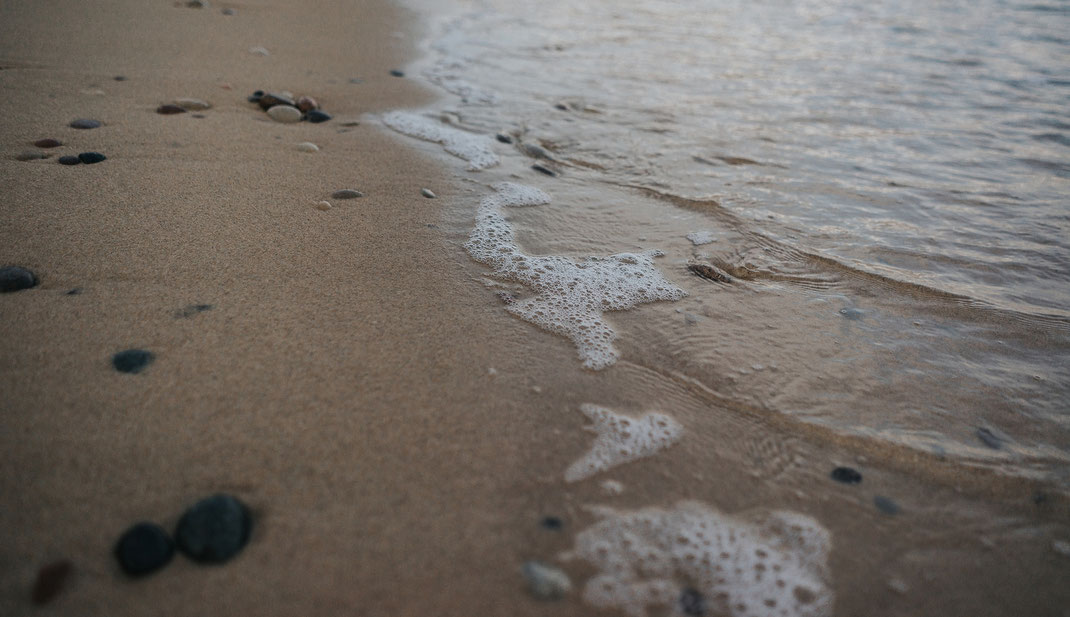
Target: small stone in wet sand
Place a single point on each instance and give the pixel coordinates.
(285, 114)
(692, 603)
(307, 146)
(316, 116)
(31, 155)
(307, 103)
(347, 194)
(191, 310)
(132, 360)
(267, 100)
(544, 170)
(50, 581)
(15, 278)
(48, 143)
(397, 73)
(259, 51)
(91, 157)
(551, 522)
(120, 78)
(85, 123)
(74, 292)
(886, 505)
(846, 475)
(852, 314)
(709, 273)
(505, 139)
(197, 4)
(168, 110)
(989, 438)
(214, 529)
(323, 205)
(229, 12)
(427, 193)
(69, 160)
(546, 582)
(143, 549)
(193, 104)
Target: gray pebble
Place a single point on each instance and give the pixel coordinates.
(347, 194)
(886, 505)
(545, 581)
(989, 438)
(15, 278)
(852, 313)
(427, 193)
(85, 123)
(285, 114)
(30, 155)
(544, 170)
(214, 530)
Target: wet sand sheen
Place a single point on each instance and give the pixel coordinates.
(336, 385)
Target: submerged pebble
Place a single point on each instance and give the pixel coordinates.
(692, 602)
(16, 278)
(989, 438)
(397, 73)
(316, 116)
(505, 139)
(214, 529)
(48, 143)
(51, 580)
(427, 193)
(709, 273)
(168, 110)
(846, 475)
(307, 146)
(546, 582)
(132, 360)
(886, 505)
(229, 11)
(69, 160)
(347, 194)
(143, 549)
(85, 123)
(551, 522)
(544, 170)
(852, 314)
(91, 157)
(284, 114)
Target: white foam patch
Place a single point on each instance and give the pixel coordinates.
(698, 238)
(760, 565)
(570, 296)
(622, 439)
(476, 149)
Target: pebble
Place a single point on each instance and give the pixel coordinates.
(886, 505)
(307, 146)
(192, 310)
(50, 581)
(69, 160)
(846, 475)
(427, 193)
(551, 522)
(537, 152)
(120, 78)
(85, 123)
(214, 529)
(284, 113)
(898, 585)
(989, 438)
(307, 103)
(546, 582)
(143, 549)
(193, 104)
(132, 360)
(31, 155)
(323, 205)
(77, 291)
(397, 73)
(256, 96)
(347, 194)
(316, 116)
(852, 314)
(1062, 547)
(259, 51)
(197, 4)
(505, 139)
(48, 143)
(709, 273)
(91, 157)
(267, 100)
(16, 278)
(545, 170)
(229, 12)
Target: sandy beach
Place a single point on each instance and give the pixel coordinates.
(399, 439)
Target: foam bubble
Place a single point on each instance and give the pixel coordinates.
(698, 238)
(570, 296)
(622, 439)
(761, 565)
(476, 149)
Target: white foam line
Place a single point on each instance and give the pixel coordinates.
(476, 149)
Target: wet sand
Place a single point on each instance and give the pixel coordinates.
(340, 384)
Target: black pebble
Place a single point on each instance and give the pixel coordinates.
(989, 438)
(132, 360)
(120, 78)
(545, 170)
(192, 310)
(692, 602)
(551, 522)
(214, 529)
(69, 160)
(886, 505)
(91, 157)
(255, 97)
(85, 123)
(143, 549)
(51, 580)
(316, 116)
(397, 73)
(846, 475)
(74, 292)
(16, 278)
(505, 139)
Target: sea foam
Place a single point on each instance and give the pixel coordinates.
(622, 439)
(771, 564)
(476, 149)
(570, 296)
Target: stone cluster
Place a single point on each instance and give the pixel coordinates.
(283, 107)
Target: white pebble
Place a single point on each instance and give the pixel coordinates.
(308, 146)
(323, 205)
(284, 113)
(193, 104)
(427, 193)
(259, 51)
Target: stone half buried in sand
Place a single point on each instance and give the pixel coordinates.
(622, 439)
(762, 564)
(476, 149)
(570, 295)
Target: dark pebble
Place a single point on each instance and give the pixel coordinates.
(561, 106)
(91, 157)
(229, 12)
(50, 581)
(214, 529)
(551, 522)
(132, 360)
(989, 438)
(69, 160)
(505, 139)
(143, 549)
(256, 96)
(15, 278)
(85, 123)
(198, 116)
(47, 143)
(886, 505)
(1040, 498)
(75, 292)
(397, 73)
(846, 475)
(709, 273)
(316, 116)
(270, 99)
(168, 110)
(692, 602)
(120, 78)
(544, 170)
(192, 310)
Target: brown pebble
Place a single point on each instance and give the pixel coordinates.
(709, 273)
(168, 110)
(47, 143)
(271, 99)
(307, 104)
(50, 580)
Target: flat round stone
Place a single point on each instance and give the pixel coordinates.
(16, 278)
(85, 123)
(69, 160)
(307, 146)
(268, 100)
(316, 116)
(347, 194)
(169, 110)
(48, 143)
(132, 360)
(846, 475)
(214, 529)
(91, 157)
(193, 104)
(143, 549)
(285, 114)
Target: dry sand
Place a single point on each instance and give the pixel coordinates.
(340, 384)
